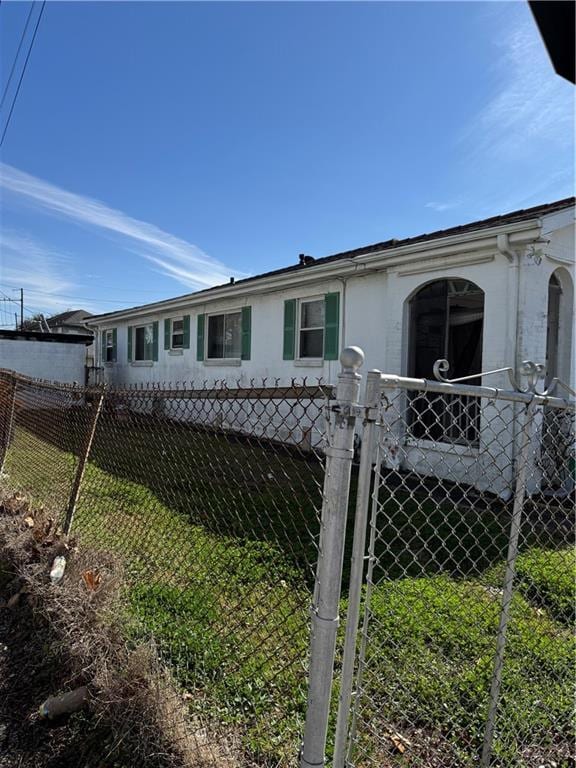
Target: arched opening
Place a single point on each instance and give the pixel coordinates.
(446, 321)
(559, 326)
(553, 328)
(558, 426)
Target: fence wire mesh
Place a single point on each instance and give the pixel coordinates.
(442, 531)
(212, 499)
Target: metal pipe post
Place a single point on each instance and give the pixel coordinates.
(97, 405)
(509, 576)
(7, 420)
(357, 566)
(339, 455)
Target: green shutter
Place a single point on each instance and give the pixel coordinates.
(200, 338)
(155, 340)
(130, 329)
(186, 331)
(167, 344)
(103, 346)
(114, 343)
(246, 332)
(331, 326)
(289, 328)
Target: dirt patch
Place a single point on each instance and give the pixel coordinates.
(55, 638)
(31, 669)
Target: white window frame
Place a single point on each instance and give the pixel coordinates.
(135, 344)
(300, 303)
(181, 333)
(215, 360)
(109, 345)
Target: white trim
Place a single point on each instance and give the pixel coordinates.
(431, 445)
(171, 320)
(308, 300)
(446, 263)
(223, 361)
(142, 363)
(309, 362)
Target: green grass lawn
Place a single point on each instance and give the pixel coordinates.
(219, 539)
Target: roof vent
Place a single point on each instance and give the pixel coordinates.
(232, 281)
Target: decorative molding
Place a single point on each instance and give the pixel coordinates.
(445, 263)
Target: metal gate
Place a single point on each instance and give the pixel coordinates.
(457, 648)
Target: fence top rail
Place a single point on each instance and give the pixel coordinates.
(390, 381)
(219, 390)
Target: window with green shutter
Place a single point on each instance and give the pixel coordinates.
(246, 332)
(130, 333)
(177, 333)
(186, 332)
(167, 333)
(331, 326)
(155, 340)
(201, 321)
(289, 329)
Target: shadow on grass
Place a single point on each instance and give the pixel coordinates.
(251, 489)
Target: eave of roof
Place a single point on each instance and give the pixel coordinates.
(464, 232)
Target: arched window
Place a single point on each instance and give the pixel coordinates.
(446, 321)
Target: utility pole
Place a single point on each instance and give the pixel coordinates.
(21, 308)
(16, 320)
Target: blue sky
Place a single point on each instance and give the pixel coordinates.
(157, 148)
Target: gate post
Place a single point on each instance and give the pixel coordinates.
(339, 455)
(357, 565)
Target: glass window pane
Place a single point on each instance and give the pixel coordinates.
(215, 336)
(233, 334)
(139, 345)
(312, 343)
(312, 314)
(148, 342)
(177, 334)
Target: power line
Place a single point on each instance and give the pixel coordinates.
(17, 55)
(81, 298)
(23, 71)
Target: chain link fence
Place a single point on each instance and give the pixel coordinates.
(229, 508)
(212, 500)
(465, 646)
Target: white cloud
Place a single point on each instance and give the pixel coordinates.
(177, 258)
(530, 104)
(440, 207)
(42, 273)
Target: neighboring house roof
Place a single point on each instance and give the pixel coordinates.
(70, 317)
(515, 217)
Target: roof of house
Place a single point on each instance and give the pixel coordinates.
(524, 214)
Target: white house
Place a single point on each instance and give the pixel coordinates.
(483, 295)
